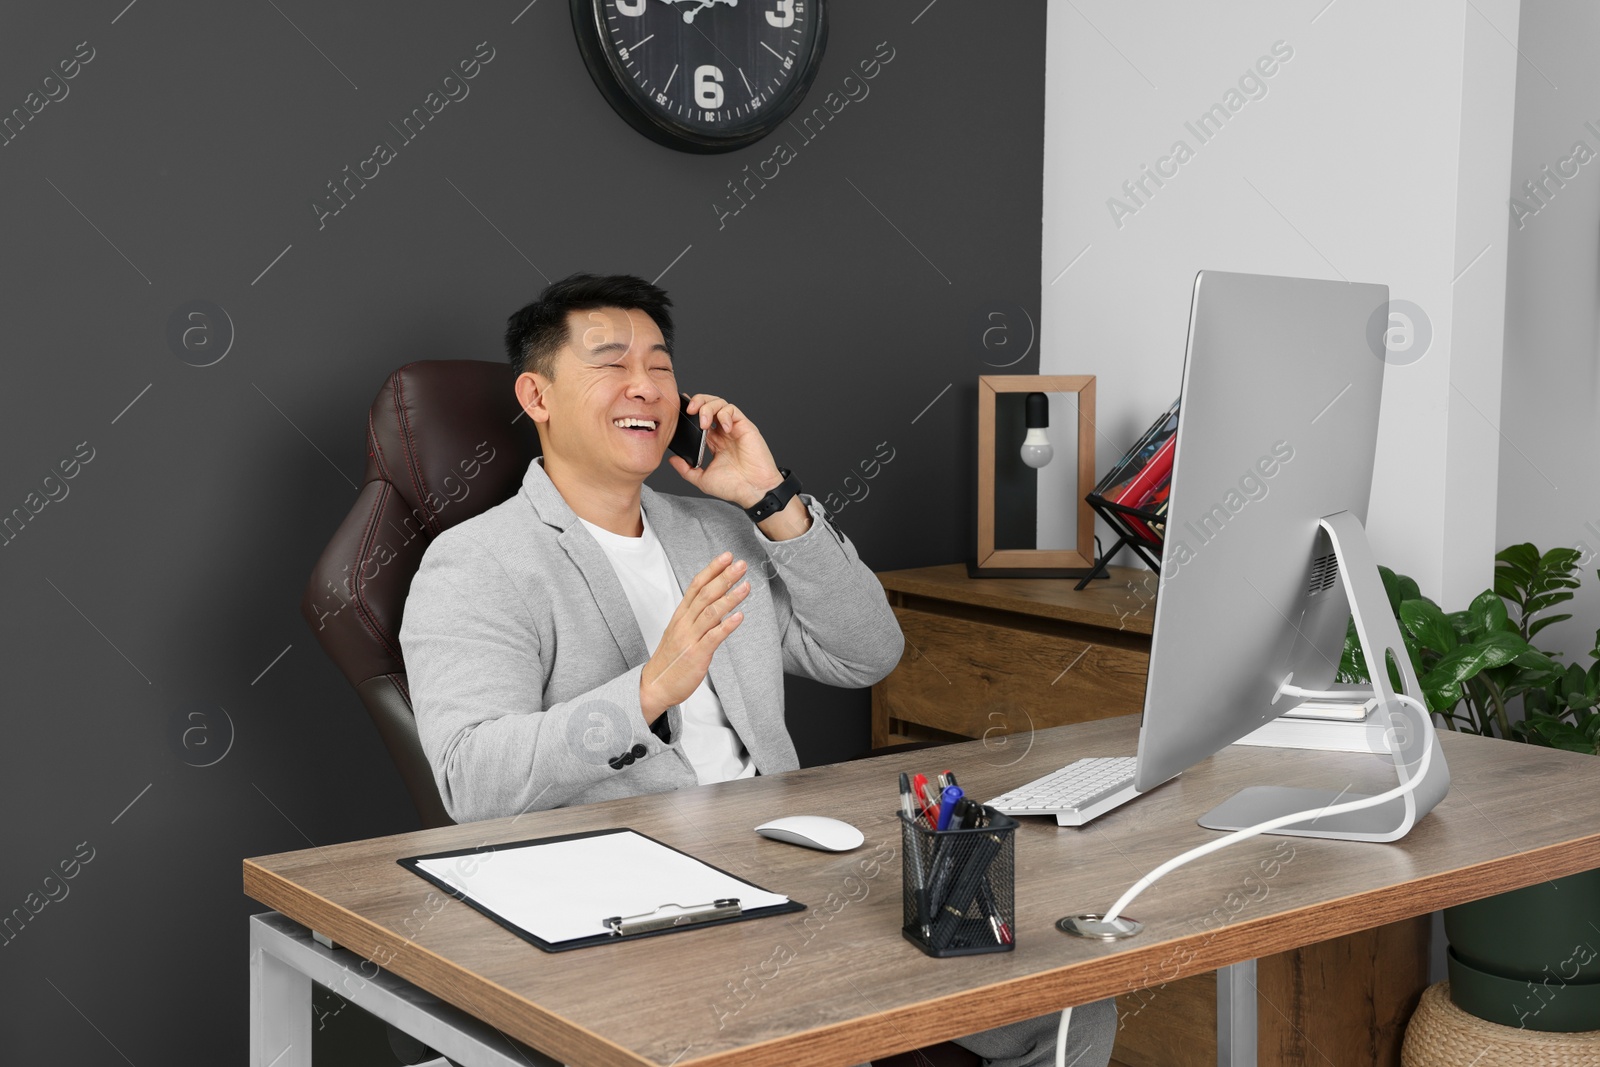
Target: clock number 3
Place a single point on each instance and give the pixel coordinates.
(782, 18)
(708, 87)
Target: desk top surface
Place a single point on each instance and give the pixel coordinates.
(1125, 601)
(837, 984)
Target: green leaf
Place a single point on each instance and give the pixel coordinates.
(1424, 621)
(1442, 694)
(1488, 614)
(1544, 601)
(1572, 741)
(1534, 663)
(1575, 684)
(1508, 640)
(1522, 558)
(1421, 658)
(1515, 567)
(1454, 667)
(1394, 667)
(1546, 621)
(1391, 586)
(1352, 666)
(1467, 661)
(1561, 560)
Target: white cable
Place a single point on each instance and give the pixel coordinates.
(1285, 820)
(1061, 1037)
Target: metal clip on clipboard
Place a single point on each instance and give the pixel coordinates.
(687, 914)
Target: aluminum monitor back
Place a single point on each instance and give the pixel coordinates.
(1277, 428)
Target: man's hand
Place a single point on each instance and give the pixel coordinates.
(741, 469)
(693, 633)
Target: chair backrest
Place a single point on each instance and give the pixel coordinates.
(446, 440)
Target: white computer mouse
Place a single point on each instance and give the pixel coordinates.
(813, 831)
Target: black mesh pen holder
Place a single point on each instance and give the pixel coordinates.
(959, 886)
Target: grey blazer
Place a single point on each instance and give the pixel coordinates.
(523, 655)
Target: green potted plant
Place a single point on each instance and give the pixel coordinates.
(1474, 666)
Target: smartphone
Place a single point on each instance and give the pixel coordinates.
(688, 440)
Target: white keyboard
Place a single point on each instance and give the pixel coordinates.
(1076, 793)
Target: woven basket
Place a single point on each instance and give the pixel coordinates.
(1442, 1035)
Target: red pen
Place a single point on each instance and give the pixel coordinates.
(919, 786)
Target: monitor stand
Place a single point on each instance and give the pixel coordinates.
(1407, 728)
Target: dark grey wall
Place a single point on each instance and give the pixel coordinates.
(151, 620)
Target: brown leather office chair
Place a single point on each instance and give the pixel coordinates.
(444, 443)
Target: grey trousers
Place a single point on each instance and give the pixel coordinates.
(1032, 1042)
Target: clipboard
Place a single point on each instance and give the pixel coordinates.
(733, 901)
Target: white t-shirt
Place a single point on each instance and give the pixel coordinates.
(711, 744)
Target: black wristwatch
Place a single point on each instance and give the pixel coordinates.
(776, 500)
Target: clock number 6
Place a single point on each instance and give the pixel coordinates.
(782, 18)
(708, 87)
(634, 9)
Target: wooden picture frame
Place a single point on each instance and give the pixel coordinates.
(1081, 559)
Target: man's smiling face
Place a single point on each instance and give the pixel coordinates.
(613, 404)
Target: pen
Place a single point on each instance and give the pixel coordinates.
(918, 868)
(965, 816)
(919, 876)
(953, 903)
(919, 784)
(947, 803)
(930, 803)
(1002, 932)
(950, 778)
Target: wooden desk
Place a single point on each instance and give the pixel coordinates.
(837, 984)
(988, 657)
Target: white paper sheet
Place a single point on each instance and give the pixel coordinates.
(1323, 736)
(566, 890)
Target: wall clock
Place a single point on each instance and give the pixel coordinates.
(702, 75)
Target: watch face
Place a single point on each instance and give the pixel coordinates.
(702, 75)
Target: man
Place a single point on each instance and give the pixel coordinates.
(590, 638)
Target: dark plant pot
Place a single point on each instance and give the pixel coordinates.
(1530, 957)
(1552, 1007)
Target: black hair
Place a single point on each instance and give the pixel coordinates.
(535, 333)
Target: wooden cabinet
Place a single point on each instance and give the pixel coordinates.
(993, 657)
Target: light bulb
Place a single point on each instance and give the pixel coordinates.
(1036, 447)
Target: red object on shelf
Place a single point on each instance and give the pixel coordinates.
(1141, 490)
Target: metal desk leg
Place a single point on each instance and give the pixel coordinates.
(285, 958)
(280, 1008)
(1236, 1015)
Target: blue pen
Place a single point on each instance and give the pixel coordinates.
(947, 802)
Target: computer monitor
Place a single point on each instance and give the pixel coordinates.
(1266, 552)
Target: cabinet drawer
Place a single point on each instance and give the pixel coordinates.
(973, 678)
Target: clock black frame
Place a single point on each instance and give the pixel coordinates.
(614, 84)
